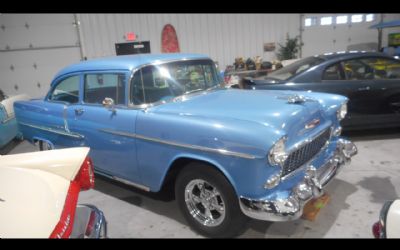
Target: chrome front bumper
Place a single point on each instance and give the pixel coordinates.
(89, 223)
(291, 207)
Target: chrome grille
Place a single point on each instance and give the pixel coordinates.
(305, 153)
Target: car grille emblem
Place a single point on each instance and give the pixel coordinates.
(312, 124)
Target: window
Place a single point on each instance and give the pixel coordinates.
(295, 68)
(358, 69)
(341, 19)
(166, 81)
(326, 20)
(356, 18)
(310, 21)
(333, 73)
(67, 90)
(99, 86)
(384, 68)
(369, 17)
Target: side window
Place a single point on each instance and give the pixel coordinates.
(332, 72)
(101, 85)
(384, 68)
(358, 69)
(67, 90)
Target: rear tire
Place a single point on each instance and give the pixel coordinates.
(208, 201)
(44, 146)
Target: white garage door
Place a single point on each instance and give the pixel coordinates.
(33, 48)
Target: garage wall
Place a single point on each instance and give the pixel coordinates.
(221, 36)
(321, 39)
(33, 47)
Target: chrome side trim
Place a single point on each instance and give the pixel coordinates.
(56, 131)
(182, 145)
(145, 188)
(114, 132)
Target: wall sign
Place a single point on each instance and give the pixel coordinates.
(169, 40)
(132, 48)
(269, 47)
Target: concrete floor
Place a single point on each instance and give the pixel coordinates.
(357, 195)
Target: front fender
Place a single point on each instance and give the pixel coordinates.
(329, 102)
(231, 145)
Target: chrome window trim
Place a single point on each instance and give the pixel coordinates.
(56, 131)
(148, 105)
(182, 145)
(57, 81)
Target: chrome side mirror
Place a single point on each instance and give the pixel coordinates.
(109, 104)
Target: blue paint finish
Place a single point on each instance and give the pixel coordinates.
(127, 62)
(135, 143)
(8, 129)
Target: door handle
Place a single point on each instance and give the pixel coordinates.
(364, 88)
(79, 111)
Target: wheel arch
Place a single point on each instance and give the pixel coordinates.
(181, 161)
(37, 139)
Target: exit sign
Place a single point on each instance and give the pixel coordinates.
(130, 36)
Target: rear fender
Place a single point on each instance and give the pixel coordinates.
(62, 162)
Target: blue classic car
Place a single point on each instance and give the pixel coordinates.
(8, 123)
(153, 121)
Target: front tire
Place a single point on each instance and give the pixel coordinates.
(208, 201)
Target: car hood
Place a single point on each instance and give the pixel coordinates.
(264, 107)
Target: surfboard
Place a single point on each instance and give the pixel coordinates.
(169, 40)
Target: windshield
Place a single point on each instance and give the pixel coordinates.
(295, 68)
(169, 80)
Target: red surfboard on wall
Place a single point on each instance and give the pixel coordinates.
(169, 40)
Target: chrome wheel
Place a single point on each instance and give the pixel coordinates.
(205, 203)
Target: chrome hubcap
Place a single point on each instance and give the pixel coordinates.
(205, 203)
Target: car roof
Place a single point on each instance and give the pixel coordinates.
(343, 55)
(126, 62)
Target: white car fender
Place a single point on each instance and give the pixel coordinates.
(9, 103)
(33, 189)
(393, 220)
(62, 162)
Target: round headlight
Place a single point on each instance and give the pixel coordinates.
(342, 111)
(277, 155)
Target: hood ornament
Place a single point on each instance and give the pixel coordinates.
(296, 99)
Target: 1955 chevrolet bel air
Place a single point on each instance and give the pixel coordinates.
(156, 120)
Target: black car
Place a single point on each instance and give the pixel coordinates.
(370, 80)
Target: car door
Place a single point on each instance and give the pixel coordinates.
(51, 117)
(108, 130)
(354, 79)
(387, 82)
